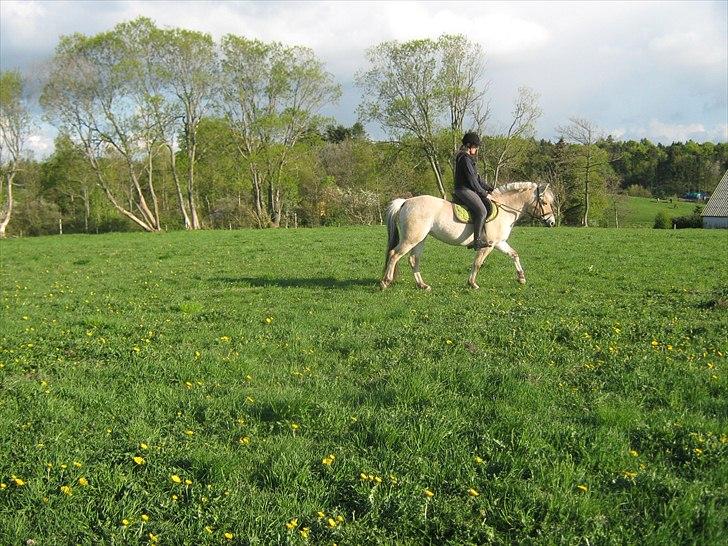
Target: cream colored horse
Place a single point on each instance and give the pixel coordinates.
(410, 221)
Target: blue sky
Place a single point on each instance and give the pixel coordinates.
(656, 70)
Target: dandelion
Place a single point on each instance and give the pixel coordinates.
(340, 518)
(320, 515)
(292, 524)
(3, 485)
(175, 478)
(698, 451)
(473, 493)
(77, 464)
(478, 460)
(145, 518)
(328, 459)
(331, 522)
(582, 487)
(153, 538)
(139, 460)
(83, 482)
(188, 482)
(228, 536)
(655, 343)
(448, 342)
(64, 466)
(143, 446)
(208, 529)
(295, 427)
(633, 453)
(17, 481)
(189, 432)
(393, 479)
(225, 339)
(125, 522)
(268, 320)
(174, 497)
(304, 533)
(669, 347)
(248, 377)
(427, 493)
(67, 490)
(629, 475)
(244, 440)
(377, 479)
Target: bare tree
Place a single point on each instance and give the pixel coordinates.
(509, 146)
(584, 132)
(15, 123)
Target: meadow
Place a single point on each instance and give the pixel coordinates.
(254, 387)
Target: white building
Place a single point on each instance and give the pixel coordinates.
(715, 213)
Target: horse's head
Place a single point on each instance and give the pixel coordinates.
(543, 205)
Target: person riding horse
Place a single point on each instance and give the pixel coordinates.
(470, 190)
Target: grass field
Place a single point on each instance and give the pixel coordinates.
(253, 387)
(641, 211)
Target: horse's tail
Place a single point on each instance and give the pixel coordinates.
(392, 229)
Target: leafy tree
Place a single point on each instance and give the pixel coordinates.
(271, 95)
(15, 124)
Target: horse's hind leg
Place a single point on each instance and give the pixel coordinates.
(395, 255)
(508, 249)
(414, 259)
(480, 257)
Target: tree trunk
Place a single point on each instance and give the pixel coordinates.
(178, 188)
(585, 220)
(8, 208)
(86, 209)
(191, 187)
(438, 174)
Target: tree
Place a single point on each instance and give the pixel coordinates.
(505, 149)
(421, 88)
(271, 96)
(15, 124)
(584, 133)
(92, 93)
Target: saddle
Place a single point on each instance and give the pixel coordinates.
(462, 214)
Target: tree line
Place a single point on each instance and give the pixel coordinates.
(167, 129)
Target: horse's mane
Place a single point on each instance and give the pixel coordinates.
(515, 186)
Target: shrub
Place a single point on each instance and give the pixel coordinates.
(635, 190)
(662, 220)
(692, 221)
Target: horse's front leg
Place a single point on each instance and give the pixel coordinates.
(415, 255)
(480, 257)
(504, 247)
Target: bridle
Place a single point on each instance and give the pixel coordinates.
(538, 202)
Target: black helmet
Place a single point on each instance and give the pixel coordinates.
(471, 139)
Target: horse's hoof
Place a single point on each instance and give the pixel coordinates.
(383, 285)
(425, 287)
(474, 286)
(521, 280)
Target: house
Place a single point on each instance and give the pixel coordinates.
(715, 213)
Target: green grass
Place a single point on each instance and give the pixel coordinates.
(590, 404)
(641, 211)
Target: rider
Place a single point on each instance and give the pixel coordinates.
(470, 190)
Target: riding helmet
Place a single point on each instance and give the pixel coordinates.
(471, 139)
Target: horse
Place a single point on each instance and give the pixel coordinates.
(410, 221)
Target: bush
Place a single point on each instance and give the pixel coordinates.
(635, 190)
(692, 221)
(662, 220)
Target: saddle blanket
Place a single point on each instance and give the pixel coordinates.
(463, 215)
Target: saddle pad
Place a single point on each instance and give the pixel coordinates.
(463, 215)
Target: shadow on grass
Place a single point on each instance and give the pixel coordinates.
(307, 282)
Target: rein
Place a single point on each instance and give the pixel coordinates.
(522, 209)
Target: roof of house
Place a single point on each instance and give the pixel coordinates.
(718, 203)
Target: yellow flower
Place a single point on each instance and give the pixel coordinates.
(629, 475)
(83, 482)
(292, 524)
(478, 460)
(188, 482)
(229, 536)
(268, 320)
(363, 477)
(377, 479)
(328, 459)
(67, 490)
(340, 518)
(320, 515)
(174, 497)
(583, 488)
(295, 426)
(633, 453)
(473, 493)
(225, 339)
(17, 481)
(139, 460)
(655, 343)
(427, 493)
(448, 341)
(244, 440)
(3, 485)
(331, 522)
(393, 479)
(125, 522)
(304, 533)
(698, 451)
(145, 518)
(153, 538)
(77, 464)
(143, 446)
(208, 529)
(175, 478)
(189, 432)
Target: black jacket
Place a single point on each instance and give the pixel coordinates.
(466, 175)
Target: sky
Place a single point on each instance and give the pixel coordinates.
(656, 70)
